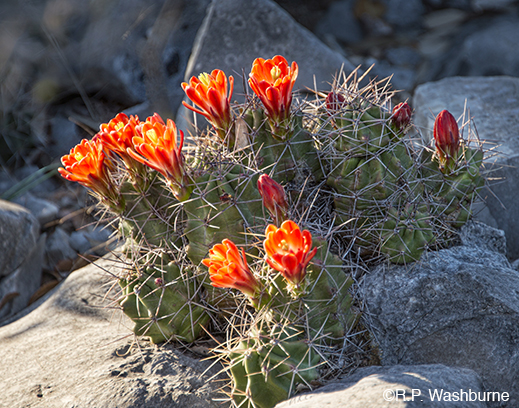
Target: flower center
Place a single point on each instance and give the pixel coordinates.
(276, 73)
(205, 78)
(152, 135)
(283, 245)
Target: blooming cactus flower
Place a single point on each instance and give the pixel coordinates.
(116, 137)
(401, 116)
(274, 198)
(86, 165)
(209, 93)
(272, 81)
(156, 146)
(117, 134)
(288, 251)
(228, 269)
(447, 140)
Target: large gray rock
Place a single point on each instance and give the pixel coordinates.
(21, 256)
(235, 32)
(71, 351)
(494, 104)
(457, 306)
(396, 387)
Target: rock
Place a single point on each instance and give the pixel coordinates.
(21, 255)
(492, 5)
(79, 242)
(71, 351)
(340, 22)
(92, 238)
(44, 210)
(404, 14)
(458, 306)
(236, 32)
(492, 50)
(58, 248)
(494, 104)
(378, 387)
(403, 56)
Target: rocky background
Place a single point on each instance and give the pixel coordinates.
(68, 65)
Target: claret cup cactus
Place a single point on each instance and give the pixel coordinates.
(251, 229)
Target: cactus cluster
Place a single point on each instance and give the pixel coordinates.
(392, 197)
(251, 227)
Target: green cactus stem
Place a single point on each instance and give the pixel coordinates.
(222, 205)
(163, 301)
(266, 368)
(293, 158)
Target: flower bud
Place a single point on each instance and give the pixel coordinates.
(447, 140)
(401, 116)
(334, 102)
(274, 198)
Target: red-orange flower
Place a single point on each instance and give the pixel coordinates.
(289, 250)
(272, 80)
(209, 93)
(447, 140)
(228, 269)
(117, 134)
(274, 198)
(86, 164)
(156, 146)
(116, 137)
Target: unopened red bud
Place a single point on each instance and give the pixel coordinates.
(274, 197)
(401, 116)
(334, 102)
(446, 138)
(159, 282)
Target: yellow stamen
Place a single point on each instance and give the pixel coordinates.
(204, 78)
(283, 245)
(275, 72)
(152, 135)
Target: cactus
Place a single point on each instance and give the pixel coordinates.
(224, 204)
(391, 198)
(288, 159)
(163, 300)
(267, 366)
(211, 240)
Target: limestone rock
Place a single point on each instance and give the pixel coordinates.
(378, 387)
(494, 104)
(21, 255)
(72, 351)
(457, 306)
